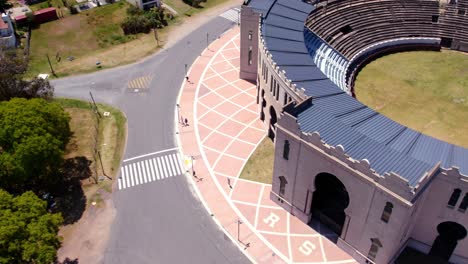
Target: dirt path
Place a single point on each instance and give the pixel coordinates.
(87, 239)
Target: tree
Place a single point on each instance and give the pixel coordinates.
(139, 21)
(12, 69)
(4, 5)
(28, 233)
(33, 136)
(194, 3)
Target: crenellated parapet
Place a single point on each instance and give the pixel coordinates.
(390, 181)
(298, 93)
(453, 174)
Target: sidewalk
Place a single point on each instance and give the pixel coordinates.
(223, 132)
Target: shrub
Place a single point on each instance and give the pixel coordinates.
(73, 10)
(139, 21)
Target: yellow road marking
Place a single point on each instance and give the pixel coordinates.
(140, 82)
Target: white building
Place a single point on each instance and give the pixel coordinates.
(145, 4)
(7, 33)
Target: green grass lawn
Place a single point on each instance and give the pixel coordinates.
(111, 132)
(50, 3)
(95, 35)
(78, 35)
(426, 91)
(259, 167)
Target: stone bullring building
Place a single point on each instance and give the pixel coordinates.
(381, 187)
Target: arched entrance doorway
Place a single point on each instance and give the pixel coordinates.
(447, 240)
(273, 120)
(329, 201)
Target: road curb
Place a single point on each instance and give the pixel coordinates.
(192, 183)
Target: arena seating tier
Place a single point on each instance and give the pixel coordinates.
(313, 53)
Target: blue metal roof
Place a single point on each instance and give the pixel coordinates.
(339, 118)
(260, 6)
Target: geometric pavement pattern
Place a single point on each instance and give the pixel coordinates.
(229, 131)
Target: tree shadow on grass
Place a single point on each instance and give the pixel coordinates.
(70, 199)
(194, 3)
(68, 261)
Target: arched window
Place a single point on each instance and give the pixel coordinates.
(277, 92)
(464, 204)
(376, 244)
(454, 198)
(387, 212)
(271, 85)
(286, 150)
(283, 183)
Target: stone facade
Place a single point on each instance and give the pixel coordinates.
(249, 44)
(415, 212)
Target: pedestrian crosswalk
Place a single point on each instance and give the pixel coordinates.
(150, 169)
(140, 82)
(232, 15)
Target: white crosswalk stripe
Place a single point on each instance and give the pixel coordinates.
(122, 183)
(150, 170)
(232, 15)
(156, 168)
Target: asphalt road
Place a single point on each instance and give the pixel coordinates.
(161, 221)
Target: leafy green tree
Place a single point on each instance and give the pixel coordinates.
(139, 21)
(28, 233)
(33, 136)
(12, 68)
(4, 5)
(194, 3)
(134, 11)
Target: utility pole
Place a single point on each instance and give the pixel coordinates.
(239, 222)
(156, 36)
(50, 65)
(102, 166)
(95, 106)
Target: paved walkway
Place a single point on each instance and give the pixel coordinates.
(223, 132)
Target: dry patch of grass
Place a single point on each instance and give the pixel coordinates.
(87, 37)
(95, 35)
(111, 133)
(426, 91)
(110, 57)
(82, 124)
(259, 167)
(106, 135)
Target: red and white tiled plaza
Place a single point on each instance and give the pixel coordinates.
(224, 131)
